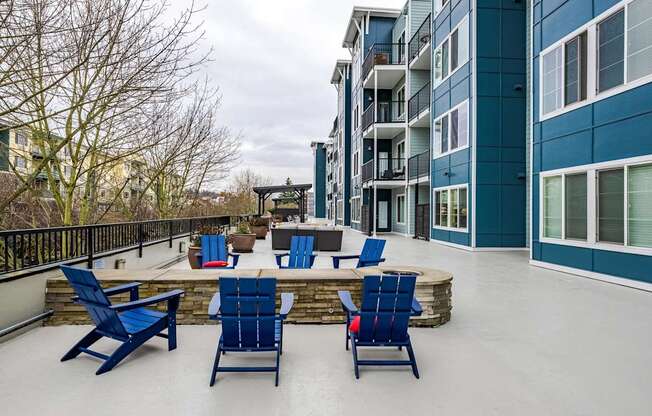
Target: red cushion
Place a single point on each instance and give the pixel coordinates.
(355, 325)
(215, 263)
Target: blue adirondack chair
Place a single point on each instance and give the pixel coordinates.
(246, 307)
(130, 323)
(371, 255)
(213, 248)
(388, 302)
(300, 255)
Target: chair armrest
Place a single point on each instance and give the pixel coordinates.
(287, 300)
(347, 301)
(214, 306)
(336, 259)
(417, 310)
(235, 258)
(129, 287)
(163, 297)
(279, 257)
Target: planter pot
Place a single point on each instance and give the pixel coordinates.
(260, 231)
(192, 257)
(243, 243)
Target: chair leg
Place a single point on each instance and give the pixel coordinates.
(355, 358)
(216, 363)
(123, 351)
(413, 360)
(346, 330)
(281, 341)
(88, 340)
(172, 331)
(278, 364)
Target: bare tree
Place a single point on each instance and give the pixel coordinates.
(123, 58)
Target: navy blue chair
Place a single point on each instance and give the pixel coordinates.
(214, 248)
(371, 255)
(388, 302)
(246, 307)
(129, 323)
(300, 255)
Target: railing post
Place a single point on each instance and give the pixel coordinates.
(140, 239)
(89, 246)
(170, 232)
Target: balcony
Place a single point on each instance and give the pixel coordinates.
(419, 166)
(419, 46)
(387, 60)
(389, 122)
(333, 132)
(388, 169)
(419, 108)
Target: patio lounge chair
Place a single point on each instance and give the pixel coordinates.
(213, 250)
(387, 304)
(300, 255)
(371, 254)
(246, 307)
(130, 323)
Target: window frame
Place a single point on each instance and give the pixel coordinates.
(449, 70)
(434, 212)
(400, 211)
(592, 171)
(437, 153)
(592, 94)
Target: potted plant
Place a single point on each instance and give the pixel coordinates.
(195, 243)
(260, 227)
(243, 239)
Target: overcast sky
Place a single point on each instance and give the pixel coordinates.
(273, 61)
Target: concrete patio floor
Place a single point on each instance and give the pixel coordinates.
(522, 341)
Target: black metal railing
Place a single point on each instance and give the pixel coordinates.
(383, 54)
(420, 39)
(368, 117)
(419, 165)
(333, 132)
(388, 112)
(388, 169)
(419, 102)
(32, 248)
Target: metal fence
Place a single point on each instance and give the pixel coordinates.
(419, 102)
(420, 39)
(22, 250)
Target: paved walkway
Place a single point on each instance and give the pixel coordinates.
(522, 341)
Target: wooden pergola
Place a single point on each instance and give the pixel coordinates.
(299, 192)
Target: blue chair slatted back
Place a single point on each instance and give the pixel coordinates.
(386, 308)
(248, 308)
(97, 304)
(372, 252)
(300, 252)
(213, 248)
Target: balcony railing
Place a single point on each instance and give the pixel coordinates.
(383, 54)
(388, 112)
(420, 39)
(388, 169)
(333, 132)
(21, 250)
(419, 165)
(419, 102)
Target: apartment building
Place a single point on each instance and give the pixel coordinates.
(591, 112)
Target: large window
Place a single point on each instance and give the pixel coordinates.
(452, 130)
(453, 52)
(400, 209)
(21, 139)
(356, 166)
(605, 206)
(450, 209)
(355, 209)
(608, 55)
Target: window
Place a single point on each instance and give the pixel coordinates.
(355, 118)
(401, 47)
(608, 206)
(355, 209)
(606, 56)
(439, 4)
(21, 139)
(400, 150)
(451, 207)
(20, 162)
(356, 167)
(611, 51)
(400, 209)
(575, 70)
(453, 52)
(400, 96)
(452, 130)
(340, 209)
